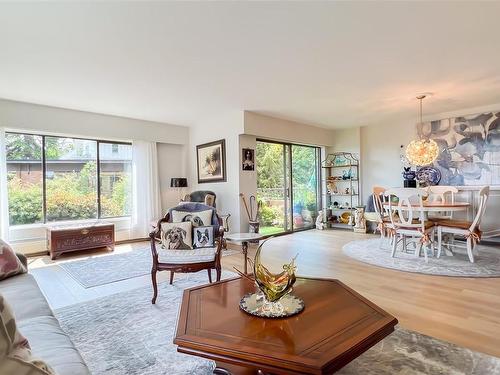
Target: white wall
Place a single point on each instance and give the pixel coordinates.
(172, 162)
(346, 140)
(226, 126)
(58, 121)
(380, 154)
(248, 179)
(284, 130)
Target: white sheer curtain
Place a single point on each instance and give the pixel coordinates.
(4, 204)
(146, 188)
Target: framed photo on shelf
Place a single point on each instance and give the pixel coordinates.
(211, 161)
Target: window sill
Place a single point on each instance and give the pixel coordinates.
(120, 219)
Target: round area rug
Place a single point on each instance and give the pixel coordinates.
(487, 260)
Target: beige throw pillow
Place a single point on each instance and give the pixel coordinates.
(197, 219)
(177, 236)
(15, 354)
(10, 265)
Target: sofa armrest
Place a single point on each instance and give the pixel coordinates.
(23, 259)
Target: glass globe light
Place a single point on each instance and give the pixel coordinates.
(422, 152)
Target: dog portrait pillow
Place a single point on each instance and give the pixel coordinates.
(197, 219)
(203, 237)
(176, 236)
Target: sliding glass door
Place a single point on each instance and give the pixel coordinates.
(272, 191)
(287, 186)
(304, 181)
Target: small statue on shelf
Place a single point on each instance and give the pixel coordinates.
(351, 222)
(359, 220)
(319, 221)
(331, 187)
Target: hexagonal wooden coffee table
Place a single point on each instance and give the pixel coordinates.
(336, 326)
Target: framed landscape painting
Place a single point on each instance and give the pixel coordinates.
(211, 158)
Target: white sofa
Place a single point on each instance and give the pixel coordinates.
(37, 323)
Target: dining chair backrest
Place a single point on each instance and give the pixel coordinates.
(378, 199)
(409, 207)
(484, 193)
(440, 193)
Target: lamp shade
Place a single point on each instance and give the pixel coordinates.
(178, 182)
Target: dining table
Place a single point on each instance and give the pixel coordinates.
(433, 206)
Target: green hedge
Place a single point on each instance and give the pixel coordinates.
(69, 197)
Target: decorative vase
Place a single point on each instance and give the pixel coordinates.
(409, 177)
(273, 299)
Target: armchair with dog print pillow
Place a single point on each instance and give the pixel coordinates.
(175, 256)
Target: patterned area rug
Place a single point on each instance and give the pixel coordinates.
(110, 268)
(487, 260)
(126, 334)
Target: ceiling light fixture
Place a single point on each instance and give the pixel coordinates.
(424, 151)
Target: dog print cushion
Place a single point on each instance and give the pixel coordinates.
(177, 236)
(197, 219)
(203, 237)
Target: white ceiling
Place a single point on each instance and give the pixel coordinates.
(331, 64)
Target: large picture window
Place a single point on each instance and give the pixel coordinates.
(115, 174)
(24, 178)
(58, 178)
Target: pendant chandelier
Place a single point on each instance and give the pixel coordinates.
(421, 152)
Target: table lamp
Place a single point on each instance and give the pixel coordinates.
(179, 183)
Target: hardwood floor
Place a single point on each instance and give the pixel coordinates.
(464, 311)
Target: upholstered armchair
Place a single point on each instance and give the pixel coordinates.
(184, 261)
(202, 196)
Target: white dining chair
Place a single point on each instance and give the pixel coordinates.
(471, 230)
(408, 218)
(384, 223)
(441, 194)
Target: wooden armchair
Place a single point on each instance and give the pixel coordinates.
(185, 260)
(202, 196)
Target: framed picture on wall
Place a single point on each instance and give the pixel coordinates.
(248, 159)
(211, 161)
(469, 149)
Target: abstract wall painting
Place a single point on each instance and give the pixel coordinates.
(469, 148)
